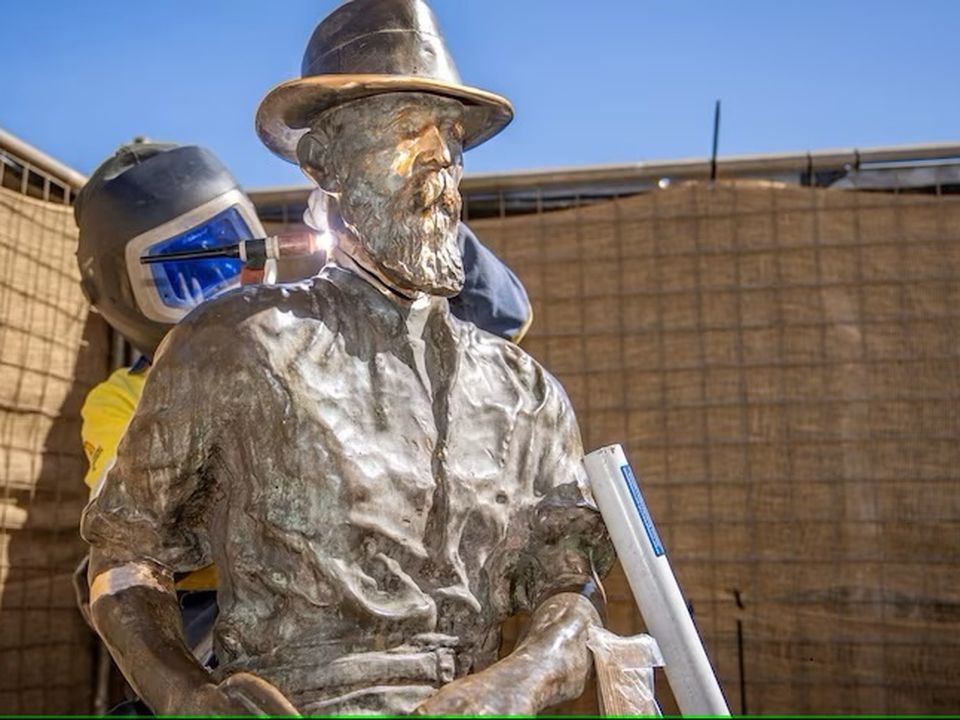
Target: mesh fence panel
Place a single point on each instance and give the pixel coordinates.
(52, 350)
(783, 366)
(781, 363)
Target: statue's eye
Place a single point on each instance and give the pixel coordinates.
(403, 125)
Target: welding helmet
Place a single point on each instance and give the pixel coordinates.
(149, 199)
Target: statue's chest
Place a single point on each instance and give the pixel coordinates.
(378, 442)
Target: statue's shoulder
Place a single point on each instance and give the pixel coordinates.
(516, 367)
(256, 307)
(251, 316)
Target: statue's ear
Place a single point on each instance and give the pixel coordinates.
(312, 156)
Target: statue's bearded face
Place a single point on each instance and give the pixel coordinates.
(393, 164)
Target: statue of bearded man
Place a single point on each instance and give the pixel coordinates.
(379, 484)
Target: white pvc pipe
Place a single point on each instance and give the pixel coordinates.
(652, 581)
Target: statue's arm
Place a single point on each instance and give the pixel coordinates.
(149, 518)
(134, 608)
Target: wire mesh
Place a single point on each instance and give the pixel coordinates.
(52, 350)
(782, 365)
(781, 361)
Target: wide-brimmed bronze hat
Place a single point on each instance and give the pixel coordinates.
(369, 47)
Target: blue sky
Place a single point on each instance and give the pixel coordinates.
(593, 81)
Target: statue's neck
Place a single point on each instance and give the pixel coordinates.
(351, 256)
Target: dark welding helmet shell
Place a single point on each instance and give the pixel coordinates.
(142, 186)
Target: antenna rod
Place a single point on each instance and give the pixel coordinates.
(716, 139)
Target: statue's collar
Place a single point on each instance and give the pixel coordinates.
(351, 256)
(379, 303)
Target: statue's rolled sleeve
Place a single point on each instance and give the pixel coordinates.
(569, 548)
(152, 504)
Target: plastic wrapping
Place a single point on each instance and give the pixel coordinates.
(625, 672)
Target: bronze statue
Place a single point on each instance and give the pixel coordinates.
(380, 484)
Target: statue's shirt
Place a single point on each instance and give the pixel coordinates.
(380, 487)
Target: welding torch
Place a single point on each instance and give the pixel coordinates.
(254, 253)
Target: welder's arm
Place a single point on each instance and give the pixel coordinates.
(493, 298)
(134, 608)
(549, 666)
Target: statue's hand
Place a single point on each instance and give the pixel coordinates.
(239, 694)
(501, 689)
(258, 694)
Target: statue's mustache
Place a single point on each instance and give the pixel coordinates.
(433, 188)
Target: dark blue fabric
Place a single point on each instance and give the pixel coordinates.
(198, 610)
(493, 298)
(132, 707)
(141, 365)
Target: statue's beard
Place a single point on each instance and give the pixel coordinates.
(412, 234)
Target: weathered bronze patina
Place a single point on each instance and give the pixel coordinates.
(380, 484)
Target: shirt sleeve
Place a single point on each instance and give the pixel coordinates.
(568, 548)
(106, 413)
(153, 502)
(493, 298)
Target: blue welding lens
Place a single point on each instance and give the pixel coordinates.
(186, 283)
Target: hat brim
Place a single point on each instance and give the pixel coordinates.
(284, 114)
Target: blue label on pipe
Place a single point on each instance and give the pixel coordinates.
(642, 509)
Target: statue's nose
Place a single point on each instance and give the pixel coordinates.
(433, 148)
(428, 149)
